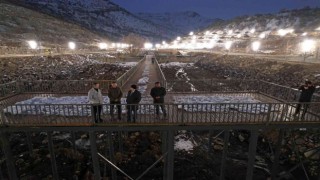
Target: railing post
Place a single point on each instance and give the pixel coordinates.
(94, 154)
(8, 154)
(269, 113)
(252, 154)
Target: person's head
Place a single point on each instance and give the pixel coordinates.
(96, 85)
(157, 84)
(114, 84)
(133, 87)
(308, 83)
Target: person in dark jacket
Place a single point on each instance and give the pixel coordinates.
(115, 95)
(133, 99)
(158, 93)
(307, 91)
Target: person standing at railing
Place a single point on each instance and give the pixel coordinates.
(158, 92)
(307, 91)
(115, 95)
(133, 99)
(96, 100)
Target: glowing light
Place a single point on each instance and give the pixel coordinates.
(164, 42)
(304, 34)
(178, 38)
(72, 45)
(256, 45)
(158, 46)
(102, 45)
(228, 45)
(239, 36)
(230, 32)
(191, 33)
(33, 44)
(262, 36)
(308, 45)
(207, 33)
(252, 31)
(148, 45)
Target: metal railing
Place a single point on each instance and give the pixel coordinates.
(126, 76)
(162, 80)
(177, 114)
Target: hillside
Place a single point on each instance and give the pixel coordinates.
(19, 24)
(101, 16)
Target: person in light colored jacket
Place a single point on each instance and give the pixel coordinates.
(96, 100)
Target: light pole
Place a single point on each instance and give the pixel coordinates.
(33, 45)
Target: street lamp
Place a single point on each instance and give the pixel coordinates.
(255, 46)
(252, 31)
(191, 33)
(178, 38)
(262, 36)
(72, 45)
(307, 46)
(148, 45)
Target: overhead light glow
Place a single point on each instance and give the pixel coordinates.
(33, 44)
(148, 45)
(256, 45)
(228, 45)
(72, 45)
(308, 45)
(103, 45)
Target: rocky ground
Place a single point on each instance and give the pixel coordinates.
(64, 67)
(207, 66)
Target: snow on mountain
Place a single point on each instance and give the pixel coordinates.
(305, 19)
(101, 16)
(180, 22)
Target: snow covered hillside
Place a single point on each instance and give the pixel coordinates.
(101, 16)
(305, 19)
(181, 22)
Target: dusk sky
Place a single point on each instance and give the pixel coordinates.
(215, 8)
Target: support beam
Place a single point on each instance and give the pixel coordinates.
(52, 156)
(275, 165)
(29, 142)
(8, 154)
(164, 137)
(170, 157)
(94, 154)
(224, 154)
(252, 154)
(111, 155)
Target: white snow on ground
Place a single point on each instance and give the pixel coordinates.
(127, 64)
(68, 106)
(144, 80)
(218, 103)
(178, 64)
(79, 105)
(182, 142)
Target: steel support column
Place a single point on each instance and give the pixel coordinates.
(52, 157)
(8, 154)
(170, 157)
(111, 155)
(224, 154)
(252, 153)
(275, 165)
(94, 154)
(164, 137)
(29, 142)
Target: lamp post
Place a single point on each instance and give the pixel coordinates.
(33, 45)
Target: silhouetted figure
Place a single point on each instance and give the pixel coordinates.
(133, 99)
(307, 91)
(96, 100)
